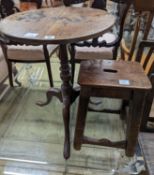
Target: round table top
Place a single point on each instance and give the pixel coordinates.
(59, 25)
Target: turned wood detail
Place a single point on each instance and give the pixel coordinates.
(66, 91)
(65, 74)
(96, 43)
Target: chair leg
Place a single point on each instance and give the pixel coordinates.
(80, 123)
(72, 70)
(10, 73)
(49, 72)
(9, 64)
(46, 54)
(115, 52)
(15, 72)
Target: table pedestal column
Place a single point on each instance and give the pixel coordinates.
(66, 91)
(66, 95)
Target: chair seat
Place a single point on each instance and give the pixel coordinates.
(85, 53)
(28, 53)
(3, 68)
(113, 74)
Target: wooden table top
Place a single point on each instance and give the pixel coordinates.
(59, 25)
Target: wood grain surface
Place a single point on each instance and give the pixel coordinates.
(56, 25)
(108, 73)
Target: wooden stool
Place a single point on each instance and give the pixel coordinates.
(146, 141)
(113, 79)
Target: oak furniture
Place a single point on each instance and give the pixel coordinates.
(3, 68)
(142, 20)
(147, 61)
(113, 79)
(16, 52)
(146, 142)
(53, 3)
(62, 26)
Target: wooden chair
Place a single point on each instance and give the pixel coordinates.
(115, 79)
(146, 142)
(147, 61)
(103, 47)
(53, 3)
(144, 12)
(3, 68)
(14, 52)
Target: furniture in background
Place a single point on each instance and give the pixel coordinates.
(105, 46)
(7, 8)
(114, 79)
(62, 26)
(33, 4)
(144, 12)
(29, 5)
(16, 52)
(147, 61)
(142, 20)
(53, 3)
(3, 69)
(146, 142)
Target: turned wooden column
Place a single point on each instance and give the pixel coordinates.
(66, 90)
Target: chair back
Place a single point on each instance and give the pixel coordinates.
(142, 5)
(145, 56)
(7, 7)
(53, 3)
(144, 11)
(121, 15)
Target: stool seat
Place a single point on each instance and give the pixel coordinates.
(111, 73)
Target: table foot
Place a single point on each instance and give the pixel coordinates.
(49, 94)
(66, 119)
(66, 149)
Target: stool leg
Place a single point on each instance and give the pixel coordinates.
(134, 120)
(80, 122)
